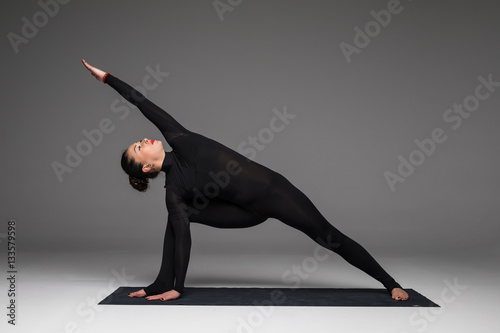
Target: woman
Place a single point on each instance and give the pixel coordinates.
(208, 183)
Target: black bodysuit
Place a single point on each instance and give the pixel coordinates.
(209, 183)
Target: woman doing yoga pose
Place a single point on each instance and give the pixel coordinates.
(209, 183)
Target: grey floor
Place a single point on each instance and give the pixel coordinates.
(59, 292)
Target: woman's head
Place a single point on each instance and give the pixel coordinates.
(143, 160)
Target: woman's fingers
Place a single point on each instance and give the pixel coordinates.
(86, 64)
(90, 68)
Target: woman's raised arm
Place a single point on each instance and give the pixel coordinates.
(169, 127)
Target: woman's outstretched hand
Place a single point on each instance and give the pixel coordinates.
(96, 72)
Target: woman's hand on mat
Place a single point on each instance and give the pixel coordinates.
(96, 72)
(169, 295)
(399, 294)
(138, 293)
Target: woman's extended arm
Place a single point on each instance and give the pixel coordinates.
(169, 127)
(177, 216)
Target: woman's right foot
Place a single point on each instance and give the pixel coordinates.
(139, 293)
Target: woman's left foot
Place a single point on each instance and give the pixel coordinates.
(399, 294)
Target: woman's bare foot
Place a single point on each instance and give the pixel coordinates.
(172, 294)
(399, 294)
(138, 293)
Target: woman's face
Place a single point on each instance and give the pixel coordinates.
(145, 151)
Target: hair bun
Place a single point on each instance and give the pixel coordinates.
(139, 184)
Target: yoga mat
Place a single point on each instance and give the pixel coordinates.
(275, 297)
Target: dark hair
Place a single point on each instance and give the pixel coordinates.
(136, 177)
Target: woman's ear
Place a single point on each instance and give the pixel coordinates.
(147, 167)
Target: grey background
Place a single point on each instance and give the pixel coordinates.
(352, 120)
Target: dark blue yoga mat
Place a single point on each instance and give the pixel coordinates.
(275, 297)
